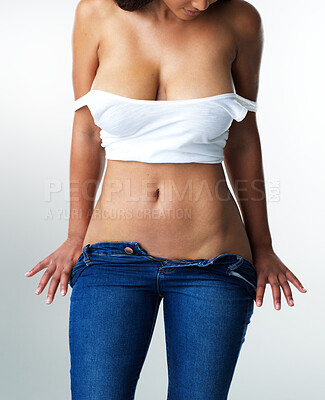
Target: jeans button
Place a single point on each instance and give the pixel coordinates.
(165, 262)
(128, 250)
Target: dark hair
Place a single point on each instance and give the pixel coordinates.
(134, 5)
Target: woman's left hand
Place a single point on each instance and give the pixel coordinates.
(270, 269)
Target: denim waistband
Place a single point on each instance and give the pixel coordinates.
(230, 258)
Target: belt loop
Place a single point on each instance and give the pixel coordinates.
(239, 261)
(85, 253)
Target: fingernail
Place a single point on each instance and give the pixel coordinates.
(37, 290)
(48, 300)
(291, 302)
(277, 306)
(62, 292)
(258, 303)
(305, 290)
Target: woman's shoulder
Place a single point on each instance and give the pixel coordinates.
(243, 16)
(93, 10)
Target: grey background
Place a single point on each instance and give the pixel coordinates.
(283, 355)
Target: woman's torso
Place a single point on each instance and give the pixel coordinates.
(172, 210)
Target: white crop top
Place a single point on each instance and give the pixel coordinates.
(165, 131)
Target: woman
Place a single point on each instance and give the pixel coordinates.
(165, 90)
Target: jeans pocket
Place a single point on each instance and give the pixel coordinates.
(244, 273)
(78, 268)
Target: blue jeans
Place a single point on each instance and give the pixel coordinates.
(116, 292)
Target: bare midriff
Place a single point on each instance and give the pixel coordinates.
(173, 210)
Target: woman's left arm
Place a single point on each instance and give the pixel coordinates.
(243, 162)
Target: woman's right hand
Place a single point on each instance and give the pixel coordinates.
(58, 265)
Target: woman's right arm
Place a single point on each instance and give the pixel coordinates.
(87, 157)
